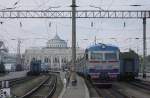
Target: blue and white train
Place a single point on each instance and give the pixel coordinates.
(100, 64)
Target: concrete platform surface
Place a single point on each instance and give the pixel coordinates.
(12, 75)
(144, 79)
(78, 91)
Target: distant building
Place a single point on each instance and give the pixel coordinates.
(3, 51)
(57, 54)
(9, 59)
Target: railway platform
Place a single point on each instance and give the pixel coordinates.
(13, 75)
(144, 79)
(78, 91)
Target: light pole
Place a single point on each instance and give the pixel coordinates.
(73, 66)
(144, 41)
(144, 47)
(18, 58)
(137, 45)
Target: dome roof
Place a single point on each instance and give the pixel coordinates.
(56, 42)
(56, 37)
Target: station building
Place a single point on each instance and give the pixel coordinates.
(56, 54)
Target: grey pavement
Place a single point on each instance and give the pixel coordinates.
(144, 79)
(12, 75)
(78, 91)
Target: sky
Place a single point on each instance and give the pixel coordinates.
(36, 32)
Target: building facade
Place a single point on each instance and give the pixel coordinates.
(56, 54)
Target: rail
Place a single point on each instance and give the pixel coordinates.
(14, 81)
(52, 84)
(34, 89)
(141, 84)
(105, 92)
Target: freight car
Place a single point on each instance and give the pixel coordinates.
(129, 65)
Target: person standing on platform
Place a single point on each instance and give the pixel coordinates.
(65, 82)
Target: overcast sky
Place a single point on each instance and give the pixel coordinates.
(103, 29)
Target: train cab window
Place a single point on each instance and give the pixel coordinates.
(111, 56)
(96, 56)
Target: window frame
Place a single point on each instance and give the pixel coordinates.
(100, 52)
(112, 52)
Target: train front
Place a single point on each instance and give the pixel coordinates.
(103, 65)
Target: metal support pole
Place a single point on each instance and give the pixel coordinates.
(18, 52)
(144, 47)
(18, 58)
(73, 76)
(95, 40)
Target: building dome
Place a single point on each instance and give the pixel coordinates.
(56, 42)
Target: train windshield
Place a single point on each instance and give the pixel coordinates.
(111, 56)
(96, 56)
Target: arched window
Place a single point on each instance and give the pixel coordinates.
(65, 60)
(62, 60)
(46, 60)
(55, 60)
(49, 60)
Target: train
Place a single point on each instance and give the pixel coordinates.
(37, 67)
(102, 64)
(44, 67)
(129, 65)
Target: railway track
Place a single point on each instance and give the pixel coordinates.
(109, 93)
(141, 84)
(19, 80)
(15, 81)
(97, 92)
(130, 90)
(49, 85)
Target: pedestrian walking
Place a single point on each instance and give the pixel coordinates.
(68, 77)
(65, 82)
